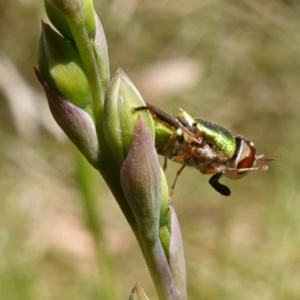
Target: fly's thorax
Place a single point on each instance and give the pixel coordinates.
(219, 138)
(244, 158)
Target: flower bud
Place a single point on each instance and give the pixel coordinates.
(119, 118)
(75, 122)
(100, 48)
(58, 20)
(65, 15)
(141, 182)
(61, 67)
(138, 293)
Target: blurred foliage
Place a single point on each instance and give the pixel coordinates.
(234, 62)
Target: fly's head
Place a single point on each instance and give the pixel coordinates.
(242, 162)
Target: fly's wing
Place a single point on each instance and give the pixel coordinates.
(184, 118)
(163, 118)
(217, 137)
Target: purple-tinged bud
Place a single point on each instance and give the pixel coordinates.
(75, 122)
(119, 119)
(61, 67)
(138, 293)
(141, 182)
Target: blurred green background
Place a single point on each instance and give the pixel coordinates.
(234, 62)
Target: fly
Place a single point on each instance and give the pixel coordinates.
(206, 146)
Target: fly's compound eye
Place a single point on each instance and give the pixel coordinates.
(246, 157)
(243, 160)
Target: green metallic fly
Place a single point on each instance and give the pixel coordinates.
(206, 146)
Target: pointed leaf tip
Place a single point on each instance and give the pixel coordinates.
(138, 293)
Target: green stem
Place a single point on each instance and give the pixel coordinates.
(87, 55)
(159, 270)
(110, 172)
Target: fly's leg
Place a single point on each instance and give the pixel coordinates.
(165, 164)
(241, 170)
(170, 142)
(160, 116)
(185, 158)
(176, 177)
